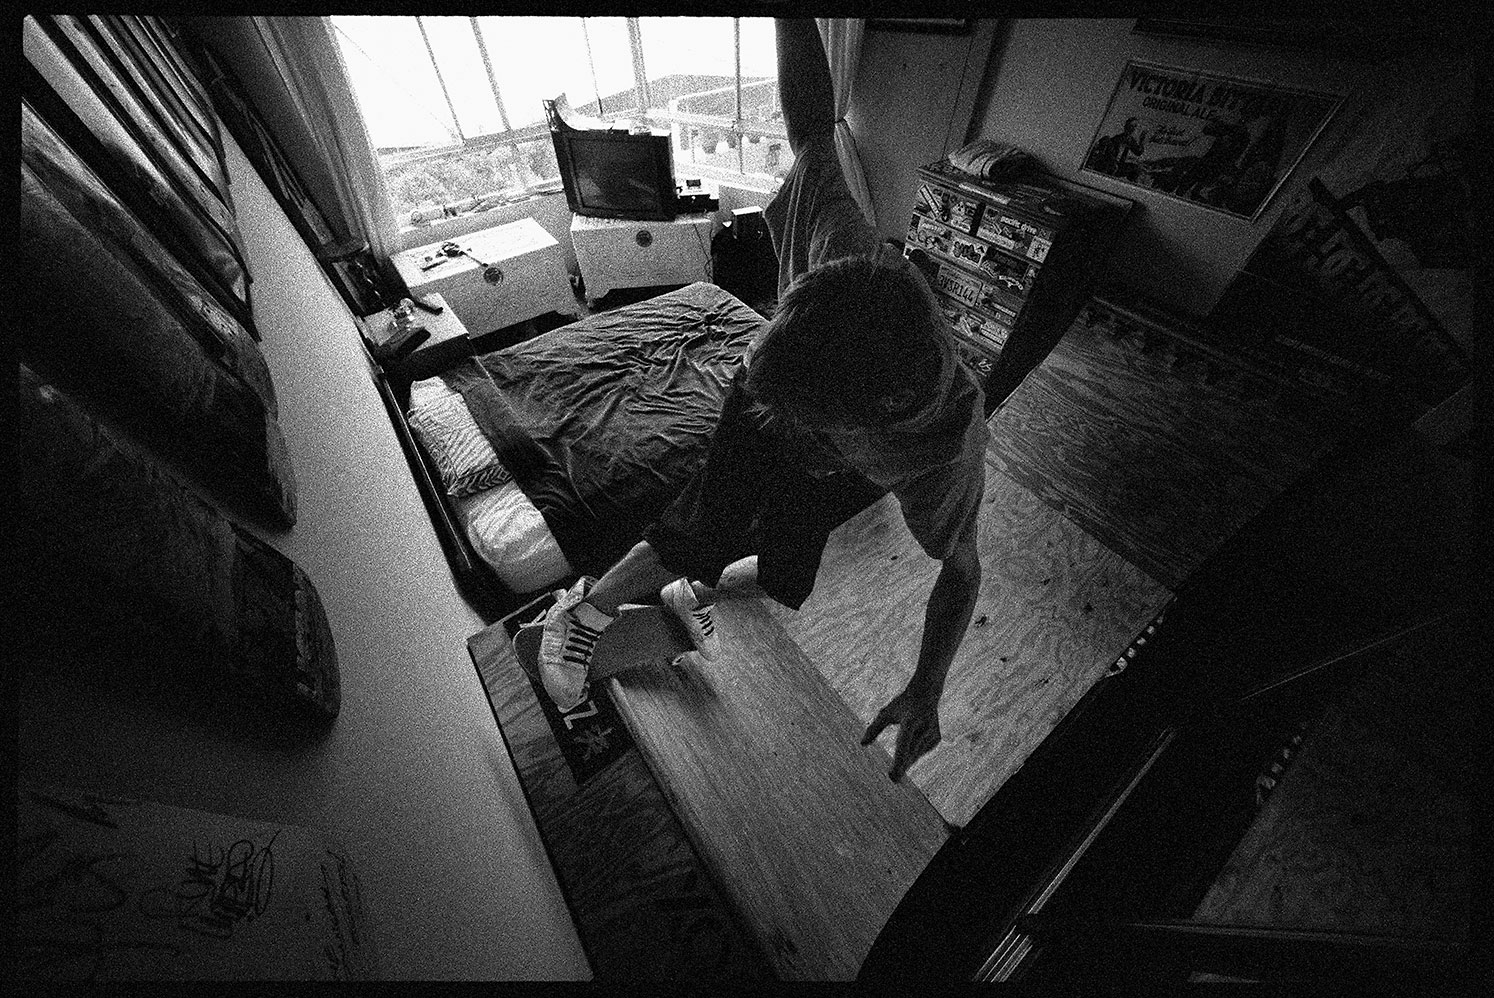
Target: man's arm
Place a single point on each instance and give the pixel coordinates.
(804, 87)
(916, 709)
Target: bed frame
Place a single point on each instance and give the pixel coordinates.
(713, 320)
(475, 578)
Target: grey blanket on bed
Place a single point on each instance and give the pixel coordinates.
(602, 422)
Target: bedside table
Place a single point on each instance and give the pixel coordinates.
(522, 275)
(622, 253)
(449, 340)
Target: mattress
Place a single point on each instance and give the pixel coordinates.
(504, 527)
(557, 452)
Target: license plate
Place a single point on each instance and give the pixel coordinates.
(958, 286)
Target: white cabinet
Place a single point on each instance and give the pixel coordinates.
(619, 253)
(508, 274)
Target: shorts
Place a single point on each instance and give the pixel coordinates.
(752, 496)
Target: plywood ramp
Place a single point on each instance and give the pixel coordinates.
(1056, 607)
(1138, 449)
(798, 823)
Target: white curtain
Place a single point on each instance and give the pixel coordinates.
(842, 40)
(310, 61)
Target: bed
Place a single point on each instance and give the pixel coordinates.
(546, 459)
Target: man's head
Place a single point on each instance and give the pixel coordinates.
(858, 341)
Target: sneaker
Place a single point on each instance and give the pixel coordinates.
(698, 619)
(571, 631)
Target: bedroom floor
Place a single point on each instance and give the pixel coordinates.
(1114, 470)
(1111, 474)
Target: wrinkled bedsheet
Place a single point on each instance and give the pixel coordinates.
(603, 421)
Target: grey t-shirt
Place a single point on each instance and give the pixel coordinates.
(934, 459)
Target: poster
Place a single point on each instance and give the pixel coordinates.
(1219, 142)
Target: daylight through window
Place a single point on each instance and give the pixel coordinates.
(453, 104)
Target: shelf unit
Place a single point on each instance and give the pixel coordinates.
(1011, 261)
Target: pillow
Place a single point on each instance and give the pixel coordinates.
(984, 158)
(444, 426)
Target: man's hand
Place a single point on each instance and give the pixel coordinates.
(915, 710)
(917, 720)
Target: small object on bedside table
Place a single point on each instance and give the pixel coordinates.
(400, 344)
(402, 318)
(424, 347)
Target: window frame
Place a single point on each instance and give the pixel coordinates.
(737, 125)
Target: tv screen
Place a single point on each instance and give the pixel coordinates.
(612, 176)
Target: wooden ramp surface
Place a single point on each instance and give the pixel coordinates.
(643, 904)
(798, 823)
(1055, 610)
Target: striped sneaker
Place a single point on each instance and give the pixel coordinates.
(572, 628)
(698, 619)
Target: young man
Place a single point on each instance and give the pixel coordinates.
(853, 389)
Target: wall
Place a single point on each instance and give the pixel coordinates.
(913, 100)
(413, 775)
(1051, 79)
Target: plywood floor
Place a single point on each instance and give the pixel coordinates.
(1056, 608)
(1113, 472)
(1111, 476)
(1139, 449)
(1370, 828)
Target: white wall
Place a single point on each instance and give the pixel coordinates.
(413, 775)
(1051, 80)
(913, 101)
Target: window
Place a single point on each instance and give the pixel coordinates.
(453, 104)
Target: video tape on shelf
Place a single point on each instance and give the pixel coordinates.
(1014, 277)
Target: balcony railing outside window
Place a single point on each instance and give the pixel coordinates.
(453, 104)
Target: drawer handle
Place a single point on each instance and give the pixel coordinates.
(493, 274)
(644, 238)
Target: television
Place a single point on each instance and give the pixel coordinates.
(610, 170)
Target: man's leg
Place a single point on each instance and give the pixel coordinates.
(637, 576)
(738, 581)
